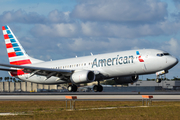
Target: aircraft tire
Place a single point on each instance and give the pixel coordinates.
(100, 88)
(95, 88)
(70, 88)
(158, 80)
(74, 88)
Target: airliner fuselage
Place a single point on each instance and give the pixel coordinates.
(127, 63)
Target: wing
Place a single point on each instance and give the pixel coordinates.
(48, 72)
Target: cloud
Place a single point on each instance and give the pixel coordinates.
(172, 46)
(176, 16)
(55, 30)
(177, 3)
(138, 11)
(56, 17)
(97, 29)
(21, 16)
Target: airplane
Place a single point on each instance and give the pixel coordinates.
(123, 67)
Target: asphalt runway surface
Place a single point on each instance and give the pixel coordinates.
(105, 97)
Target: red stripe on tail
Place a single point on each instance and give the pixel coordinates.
(9, 45)
(12, 54)
(3, 28)
(6, 36)
(21, 62)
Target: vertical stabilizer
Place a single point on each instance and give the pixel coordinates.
(16, 54)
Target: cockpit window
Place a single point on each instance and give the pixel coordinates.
(166, 54)
(162, 54)
(159, 54)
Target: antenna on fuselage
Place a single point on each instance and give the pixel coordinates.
(91, 54)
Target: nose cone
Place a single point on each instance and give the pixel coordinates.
(176, 61)
(173, 61)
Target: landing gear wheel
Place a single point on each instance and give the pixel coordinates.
(158, 80)
(95, 88)
(72, 88)
(98, 88)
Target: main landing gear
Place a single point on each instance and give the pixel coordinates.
(98, 88)
(72, 88)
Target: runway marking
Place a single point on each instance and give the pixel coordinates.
(104, 108)
(4, 114)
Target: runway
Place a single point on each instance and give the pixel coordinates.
(90, 97)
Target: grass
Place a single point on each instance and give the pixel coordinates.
(56, 110)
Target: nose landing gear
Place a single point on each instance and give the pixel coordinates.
(158, 80)
(161, 76)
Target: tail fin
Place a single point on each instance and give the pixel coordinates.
(17, 55)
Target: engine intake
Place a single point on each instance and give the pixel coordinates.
(126, 79)
(84, 76)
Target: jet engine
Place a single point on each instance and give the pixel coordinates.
(126, 79)
(83, 76)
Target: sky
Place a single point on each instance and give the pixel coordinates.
(58, 29)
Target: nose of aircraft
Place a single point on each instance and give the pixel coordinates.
(177, 61)
(173, 61)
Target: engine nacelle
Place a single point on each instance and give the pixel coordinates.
(127, 79)
(83, 76)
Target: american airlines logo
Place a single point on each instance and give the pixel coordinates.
(112, 61)
(140, 59)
